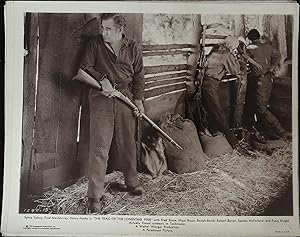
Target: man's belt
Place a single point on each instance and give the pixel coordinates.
(120, 86)
(213, 78)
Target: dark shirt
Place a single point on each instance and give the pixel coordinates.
(122, 69)
(220, 61)
(266, 55)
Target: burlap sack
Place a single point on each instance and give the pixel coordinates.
(215, 146)
(153, 158)
(184, 132)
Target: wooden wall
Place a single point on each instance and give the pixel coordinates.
(170, 57)
(53, 103)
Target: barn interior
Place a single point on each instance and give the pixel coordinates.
(56, 117)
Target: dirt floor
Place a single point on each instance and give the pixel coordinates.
(230, 185)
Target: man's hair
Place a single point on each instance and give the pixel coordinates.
(119, 19)
(253, 34)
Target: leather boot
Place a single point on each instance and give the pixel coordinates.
(136, 191)
(95, 205)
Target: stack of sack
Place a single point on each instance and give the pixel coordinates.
(159, 155)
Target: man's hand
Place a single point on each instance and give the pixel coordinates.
(109, 94)
(138, 112)
(273, 69)
(107, 88)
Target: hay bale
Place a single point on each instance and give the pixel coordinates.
(230, 185)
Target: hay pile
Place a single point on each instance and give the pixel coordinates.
(229, 185)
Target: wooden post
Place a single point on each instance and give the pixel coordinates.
(29, 84)
(239, 25)
(239, 89)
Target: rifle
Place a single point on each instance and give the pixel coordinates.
(201, 62)
(84, 77)
(201, 113)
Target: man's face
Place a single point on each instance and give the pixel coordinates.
(110, 32)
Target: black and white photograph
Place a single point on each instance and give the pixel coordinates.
(218, 86)
(144, 114)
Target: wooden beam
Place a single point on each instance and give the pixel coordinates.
(164, 89)
(48, 90)
(211, 36)
(166, 76)
(150, 84)
(29, 84)
(167, 52)
(165, 68)
(70, 91)
(167, 46)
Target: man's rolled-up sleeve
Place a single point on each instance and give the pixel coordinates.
(138, 82)
(89, 59)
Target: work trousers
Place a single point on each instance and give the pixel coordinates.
(240, 96)
(112, 136)
(263, 93)
(211, 100)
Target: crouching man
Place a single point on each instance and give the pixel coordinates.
(113, 124)
(220, 61)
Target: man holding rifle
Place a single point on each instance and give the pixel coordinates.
(111, 57)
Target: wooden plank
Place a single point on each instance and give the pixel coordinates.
(239, 25)
(176, 59)
(168, 52)
(45, 161)
(166, 47)
(166, 76)
(150, 84)
(29, 85)
(35, 182)
(164, 89)
(212, 36)
(165, 68)
(166, 104)
(70, 91)
(61, 174)
(212, 42)
(50, 38)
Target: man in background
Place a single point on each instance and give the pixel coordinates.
(112, 124)
(269, 59)
(220, 61)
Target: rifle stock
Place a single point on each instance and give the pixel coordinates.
(84, 77)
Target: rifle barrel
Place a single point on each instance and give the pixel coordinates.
(145, 117)
(161, 131)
